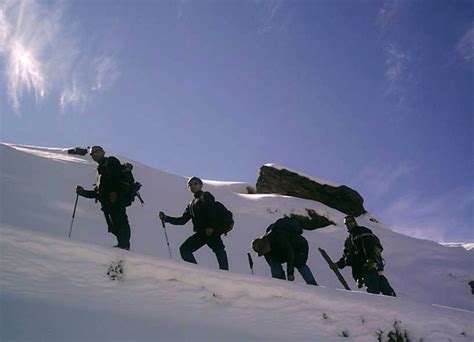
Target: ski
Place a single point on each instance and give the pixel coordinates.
(333, 267)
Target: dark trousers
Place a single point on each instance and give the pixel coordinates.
(197, 240)
(377, 283)
(305, 271)
(117, 221)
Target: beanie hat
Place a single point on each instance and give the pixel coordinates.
(194, 179)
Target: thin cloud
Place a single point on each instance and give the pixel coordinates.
(441, 218)
(388, 12)
(397, 57)
(74, 97)
(43, 56)
(396, 68)
(267, 11)
(107, 72)
(180, 11)
(379, 180)
(465, 46)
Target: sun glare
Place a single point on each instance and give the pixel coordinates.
(26, 69)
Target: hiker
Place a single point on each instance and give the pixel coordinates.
(210, 220)
(363, 252)
(283, 243)
(108, 191)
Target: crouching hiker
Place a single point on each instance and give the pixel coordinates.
(111, 195)
(283, 243)
(210, 220)
(363, 252)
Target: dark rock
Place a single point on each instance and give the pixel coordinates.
(78, 150)
(284, 182)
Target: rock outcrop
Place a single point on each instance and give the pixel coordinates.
(278, 180)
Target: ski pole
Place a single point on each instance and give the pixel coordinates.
(250, 262)
(73, 215)
(166, 236)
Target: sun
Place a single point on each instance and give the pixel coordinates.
(25, 67)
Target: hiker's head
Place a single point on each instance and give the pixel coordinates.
(261, 245)
(350, 222)
(195, 184)
(97, 153)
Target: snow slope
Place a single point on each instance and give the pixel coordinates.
(57, 290)
(37, 196)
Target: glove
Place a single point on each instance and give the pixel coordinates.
(79, 190)
(291, 277)
(209, 231)
(162, 216)
(113, 197)
(341, 264)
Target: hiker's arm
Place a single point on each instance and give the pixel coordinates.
(179, 221)
(86, 193)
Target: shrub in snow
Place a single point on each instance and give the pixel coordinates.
(251, 190)
(312, 221)
(395, 334)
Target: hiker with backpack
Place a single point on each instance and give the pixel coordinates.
(115, 189)
(283, 243)
(363, 252)
(210, 220)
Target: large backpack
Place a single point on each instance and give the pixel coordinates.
(129, 187)
(286, 224)
(224, 219)
(370, 235)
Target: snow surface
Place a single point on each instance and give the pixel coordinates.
(60, 285)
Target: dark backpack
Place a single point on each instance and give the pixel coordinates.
(129, 187)
(369, 235)
(224, 219)
(286, 224)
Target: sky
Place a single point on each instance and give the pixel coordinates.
(377, 95)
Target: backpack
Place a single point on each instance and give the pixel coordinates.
(378, 244)
(129, 187)
(285, 224)
(224, 219)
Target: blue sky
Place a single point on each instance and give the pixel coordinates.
(377, 95)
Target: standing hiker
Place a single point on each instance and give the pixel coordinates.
(111, 195)
(283, 243)
(363, 252)
(210, 220)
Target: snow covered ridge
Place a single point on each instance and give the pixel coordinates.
(317, 180)
(63, 284)
(466, 246)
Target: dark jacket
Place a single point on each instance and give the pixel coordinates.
(289, 248)
(109, 173)
(201, 210)
(359, 247)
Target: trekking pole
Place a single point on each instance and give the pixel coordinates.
(166, 236)
(250, 262)
(73, 215)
